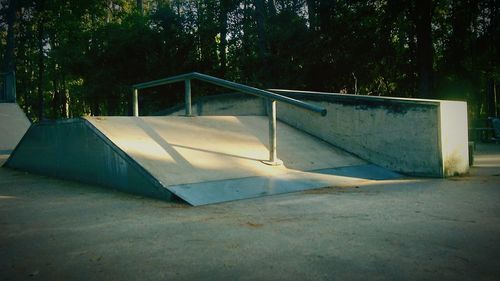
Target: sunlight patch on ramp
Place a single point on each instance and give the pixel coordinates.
(186, 150)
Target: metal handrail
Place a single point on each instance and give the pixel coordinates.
(271, 98)
(232, 86)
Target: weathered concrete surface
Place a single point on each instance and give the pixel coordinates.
(13, 125)
(186, 156)
(180, 150)
(424, 138)
(233, 104)
(72, 149)
(407, 143)
(424, 229)
(411, 136)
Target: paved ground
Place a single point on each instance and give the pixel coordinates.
(421, 229)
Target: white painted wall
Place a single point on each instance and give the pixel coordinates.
(454, 134)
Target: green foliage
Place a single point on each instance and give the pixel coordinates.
(81, 57)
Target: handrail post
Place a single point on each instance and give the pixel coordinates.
(135, 103)
(187, 96)
(273, 154)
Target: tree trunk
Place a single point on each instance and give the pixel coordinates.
(326, 16)
(8, 63)
(311, 12)
(55, 99)
(272, 8)
(493, 30)
(64, 98)
(140, 6)
(260, 16)
(491, 97)
(95, 108)
(224, 10)
(109, 14)
(41, 64)
(423, 10)
(412, 53)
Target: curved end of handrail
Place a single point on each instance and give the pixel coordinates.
(194, 74)
(323, 112)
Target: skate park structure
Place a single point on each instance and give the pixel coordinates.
(261, 142)
(13, 121)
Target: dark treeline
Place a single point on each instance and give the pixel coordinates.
(75, 57)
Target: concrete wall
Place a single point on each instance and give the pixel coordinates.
(416, 137)
(75, 150)
(222, 105)
(411, 136)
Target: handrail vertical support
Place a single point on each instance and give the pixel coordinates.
(273, 154)
(135, 103)
(187, 96)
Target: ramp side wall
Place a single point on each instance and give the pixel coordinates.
(13, 125)
(404, 138)
(74, 150)
(410, 136)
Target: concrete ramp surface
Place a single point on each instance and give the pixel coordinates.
(199, 159)
(13, 125)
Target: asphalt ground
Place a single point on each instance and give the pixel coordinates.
(411, 229)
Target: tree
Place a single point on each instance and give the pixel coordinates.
(81, 57)
(423, 16)
(8, 63)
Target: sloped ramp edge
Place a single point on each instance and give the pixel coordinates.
(75, 150)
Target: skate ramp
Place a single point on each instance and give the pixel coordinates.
(13, 125)
(202, 160)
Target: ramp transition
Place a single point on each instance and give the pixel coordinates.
(202, 160)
